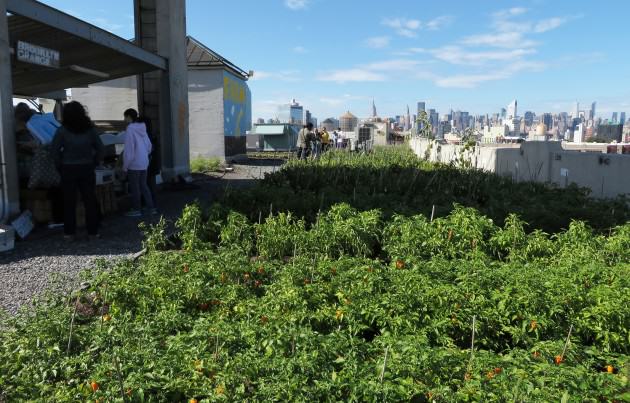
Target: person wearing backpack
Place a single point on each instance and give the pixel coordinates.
(136, 162)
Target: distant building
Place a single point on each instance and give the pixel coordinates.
(547, 120)
(374, 114)
(330, 124)
(614, 117)
(348, 122)
(434, 118)
(622, 118)
(495, 133)
(576, 110)
(292, 113)
(260, 121)
(307, 117)
(529, 118)
(578, 134)
(593, 105)
(610, 133)
(512, 110)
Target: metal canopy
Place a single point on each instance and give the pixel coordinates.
(88, 54)
(199, 55)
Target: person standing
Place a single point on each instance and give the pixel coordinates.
(135, 164)
(304, 141)
(155, 164)
(325, 140)
(77, 149)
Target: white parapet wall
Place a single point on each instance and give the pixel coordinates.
(606, 175)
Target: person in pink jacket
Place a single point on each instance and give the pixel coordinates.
(135, 163)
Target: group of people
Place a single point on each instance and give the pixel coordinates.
(77, 150)
(312, 142)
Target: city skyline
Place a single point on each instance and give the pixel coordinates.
(460, 55)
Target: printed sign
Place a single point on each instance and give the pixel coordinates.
(33, 54)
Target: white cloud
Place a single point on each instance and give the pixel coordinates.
(499, 40)
(351, 75)
(403, 26)
(296, 4)
(510, 12)
(475, 79)
(284, 75)
(457, 55)
(409, 27)
(332, 101)
(378, 42)
(439, 22)
(300, 50)
(394, 65)
(549, 24)
(468, 80)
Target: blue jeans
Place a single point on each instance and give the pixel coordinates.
(139, 189)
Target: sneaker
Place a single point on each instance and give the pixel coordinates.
(133, 213)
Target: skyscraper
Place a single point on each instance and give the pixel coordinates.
(373, 109)
(292, 113)
(512, 111)
(614, 117)
(407, 120)
(547, 120)
(529, 118)
(576, 110)
(593, 110)
(622, 118)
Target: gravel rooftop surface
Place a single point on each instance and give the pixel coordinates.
(44, 261)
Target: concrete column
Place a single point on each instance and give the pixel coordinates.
(163, 96)
(9, 184)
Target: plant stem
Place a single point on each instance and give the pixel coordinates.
(120, 381)
(384, 364)
(566, 344)
(76, 303)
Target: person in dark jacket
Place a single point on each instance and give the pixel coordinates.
(77, 149)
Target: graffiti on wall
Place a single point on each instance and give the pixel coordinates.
(237, 102)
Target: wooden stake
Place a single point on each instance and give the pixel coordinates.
(76, 303)
(566, 344)
(120, 381)
(384, 364)
(103, 307)
(472, 341)
(432, 213)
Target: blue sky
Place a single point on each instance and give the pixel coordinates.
(336, 55)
